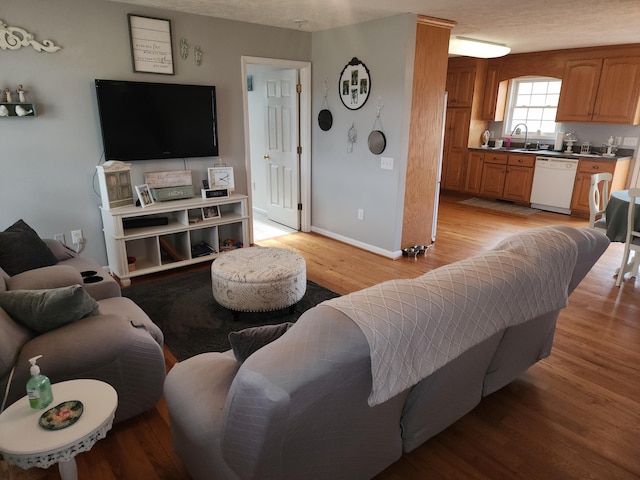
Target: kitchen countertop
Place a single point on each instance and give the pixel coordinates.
(552, 153)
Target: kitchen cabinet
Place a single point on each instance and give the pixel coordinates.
(473, 179)
(463, 127)
(601, 91)
(506, 176)
(455, 148)
(519, 178)
(580, 199)
(494, 100)
(578, 91)
(494, 171)
(618, 98)
(460, 85)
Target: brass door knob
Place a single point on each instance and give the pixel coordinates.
(266, 157)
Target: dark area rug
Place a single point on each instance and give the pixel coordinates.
(193, 322)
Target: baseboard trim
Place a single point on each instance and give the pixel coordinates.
(356, 243)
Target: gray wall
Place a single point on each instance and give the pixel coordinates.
(344, 182)
(47, 163)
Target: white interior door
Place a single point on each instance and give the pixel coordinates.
(281, 147)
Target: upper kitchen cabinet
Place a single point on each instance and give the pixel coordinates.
(495, 95)
(460, 84)
(601, 91)
(618, 98)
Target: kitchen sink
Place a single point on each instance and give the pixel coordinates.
(526, 150)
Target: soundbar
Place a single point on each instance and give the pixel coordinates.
(144, 222)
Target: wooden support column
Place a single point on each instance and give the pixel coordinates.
(429, 80)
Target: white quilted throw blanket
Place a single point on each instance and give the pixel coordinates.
(416, 326)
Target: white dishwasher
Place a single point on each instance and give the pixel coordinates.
(552, 187)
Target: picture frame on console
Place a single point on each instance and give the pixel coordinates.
(211, 212)
(144, 195)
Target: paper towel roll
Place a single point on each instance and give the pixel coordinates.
(559, 141)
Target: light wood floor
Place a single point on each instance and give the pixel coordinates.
(574, 415)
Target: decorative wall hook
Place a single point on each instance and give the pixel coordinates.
(14, 38)
(184, 48)
(198, 54)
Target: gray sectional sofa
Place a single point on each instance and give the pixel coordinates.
(117, 343)
(336, 396)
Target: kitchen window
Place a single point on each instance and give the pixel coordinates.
(534, 102)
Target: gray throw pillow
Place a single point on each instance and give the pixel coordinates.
(48, 309)
(21, 249)
(247, 341)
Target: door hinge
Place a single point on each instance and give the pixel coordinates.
(299, 88)
(299, 150)
(300, 206)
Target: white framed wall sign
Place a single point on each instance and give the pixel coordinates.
(151, 47)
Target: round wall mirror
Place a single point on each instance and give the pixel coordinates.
(377, 142)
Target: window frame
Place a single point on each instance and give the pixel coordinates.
(511, 106)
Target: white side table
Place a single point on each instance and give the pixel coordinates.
(25, 443)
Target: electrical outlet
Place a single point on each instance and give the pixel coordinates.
(60, 237)
(360, 214)
(76, 237)
(386, 163)
(617, 140)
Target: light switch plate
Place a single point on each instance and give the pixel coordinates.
(630, 142)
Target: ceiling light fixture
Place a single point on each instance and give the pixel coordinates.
(476, 48)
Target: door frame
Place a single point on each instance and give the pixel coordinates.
(305, 133)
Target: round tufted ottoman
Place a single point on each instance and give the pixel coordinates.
(258, 279)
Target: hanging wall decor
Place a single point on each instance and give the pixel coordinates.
(197, 53)
(184, 48)
(325, 119)
(151, 48)
(355, 84)
(377, 141)
(13, 38)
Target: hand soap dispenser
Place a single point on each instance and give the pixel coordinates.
(38, 387)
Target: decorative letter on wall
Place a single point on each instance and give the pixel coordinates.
(13, 38)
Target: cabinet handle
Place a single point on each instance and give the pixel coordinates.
(520, 160)
(596, 167)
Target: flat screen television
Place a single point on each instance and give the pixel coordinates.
(145, 121)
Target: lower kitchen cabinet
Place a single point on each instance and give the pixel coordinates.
(619, 168)
(473, 178)
(519, 178)
(500, 175)
(494, 171)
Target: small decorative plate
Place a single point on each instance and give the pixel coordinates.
(62, 415)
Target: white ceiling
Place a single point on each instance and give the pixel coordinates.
(526, 26)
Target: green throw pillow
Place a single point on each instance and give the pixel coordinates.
(44, 310)
(21, 249)
(249, 340)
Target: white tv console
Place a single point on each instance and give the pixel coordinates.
(169, 244)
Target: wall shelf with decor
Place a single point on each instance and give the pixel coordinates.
(17, 109)
(172, 234)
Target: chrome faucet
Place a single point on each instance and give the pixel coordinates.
(516, 131)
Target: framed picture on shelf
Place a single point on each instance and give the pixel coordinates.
(210, 212)
(144, 194)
